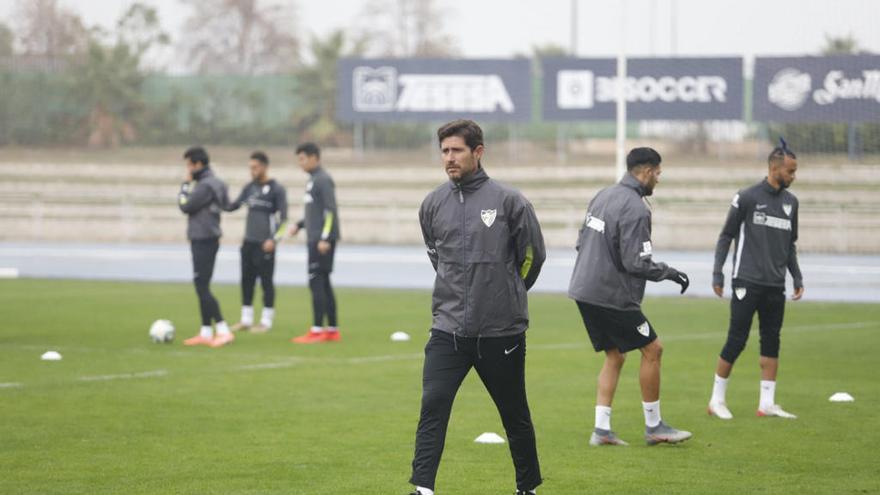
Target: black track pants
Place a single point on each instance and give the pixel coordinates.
(204, 253)
(500, 363)
(256, 263)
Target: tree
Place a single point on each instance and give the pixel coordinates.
(241, 36)
(109, 78)
(405, 28)
(6, 41)
(44, 28)
(317, 84)
(840, 45)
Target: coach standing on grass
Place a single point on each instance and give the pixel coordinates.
(608, 283)
(266, 225)
(202, 197)
(486, 246)
(763, 219)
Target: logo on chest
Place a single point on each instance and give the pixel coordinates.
(488, 217)
(787, 209)
(266, 189)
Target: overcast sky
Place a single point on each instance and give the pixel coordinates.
(502, 28)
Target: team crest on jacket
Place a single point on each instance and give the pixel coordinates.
(488, 217)
(266, 189)
(740, 293)
(644, 329)
(787, 209)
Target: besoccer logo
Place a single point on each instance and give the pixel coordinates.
(375, 90)
(789, 89)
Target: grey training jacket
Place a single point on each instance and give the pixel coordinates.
(321, 219)
(267, 210)
(614, 250)
(485, 243)
(764, 223)
(202, 200)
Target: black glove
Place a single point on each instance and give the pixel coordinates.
(681, 279)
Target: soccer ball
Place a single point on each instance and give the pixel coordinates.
(161, 332)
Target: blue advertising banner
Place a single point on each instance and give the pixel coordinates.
(842, 88)
(655, 88)
(388, 90)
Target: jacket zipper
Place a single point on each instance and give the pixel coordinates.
(464, 258)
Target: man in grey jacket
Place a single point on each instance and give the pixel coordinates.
(202, 197)
(608, 283)
(763, 219)
(485, 244)
(321, 223)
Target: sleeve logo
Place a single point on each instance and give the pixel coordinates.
(647, 249)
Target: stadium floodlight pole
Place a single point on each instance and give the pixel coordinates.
(574, 28)
(621, 95)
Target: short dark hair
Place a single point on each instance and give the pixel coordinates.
(310, 149)
(260, 157)
(197, 154)
(642, 156)
(466, 129)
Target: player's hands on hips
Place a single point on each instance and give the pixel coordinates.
(798, 293)
(268, 245)
(323, 247)
(682, 279)
(719, 290)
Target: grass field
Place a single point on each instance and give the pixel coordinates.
(122, 415)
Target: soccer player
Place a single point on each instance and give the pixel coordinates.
(763, 220)
(265, 227)
(486, 246)
(614, 260)
(202, 197)
(321, 222)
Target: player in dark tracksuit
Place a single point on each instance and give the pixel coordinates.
(763, 222)
(202, 197)
(266, 225)
(485, 244)
(321, 222)
(613, 263)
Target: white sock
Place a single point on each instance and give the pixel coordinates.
(424, 491)
(719, 390)
(206, 331)
(316, 329)
(222, 328)
(603, 418)
(768, 394)
(332, 329)
(652, 413)
(267, 317)
(247, 315)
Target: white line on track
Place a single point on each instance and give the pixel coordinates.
(124, 376)
(287, 363)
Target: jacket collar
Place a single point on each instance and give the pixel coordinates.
(315, 170)
(472, 182)
(203, 173)
(631, 182)
(769, 188)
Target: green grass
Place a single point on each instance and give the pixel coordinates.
(341, 418)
